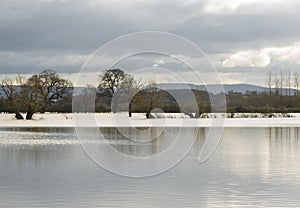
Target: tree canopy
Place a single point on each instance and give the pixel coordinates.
(36, 93)
(111, 80)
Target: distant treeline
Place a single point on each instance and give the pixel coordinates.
(249, 102)
(264, 102)
(145, 100)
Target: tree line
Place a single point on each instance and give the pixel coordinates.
(121, 92)
(282, 96)
(118, 91)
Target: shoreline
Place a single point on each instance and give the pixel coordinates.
(121, 120)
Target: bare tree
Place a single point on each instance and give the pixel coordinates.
(281, 83)
(85, 99)
(111, 80)
(128, 88)
(31, 95)
(53, 88)
(37, 92)
(120, 87)
(289, 83)
(154, 99)
(277, 84)
(11, 92)
(42, 90)
(269, 82)
(296, 83)
(7, 86)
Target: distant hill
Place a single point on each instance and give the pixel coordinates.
(243, 88)
(215, 89)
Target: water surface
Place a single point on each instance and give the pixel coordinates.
(47, 167)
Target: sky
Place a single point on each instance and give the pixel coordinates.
(244, 39)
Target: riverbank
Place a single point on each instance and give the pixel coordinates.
(139, 120)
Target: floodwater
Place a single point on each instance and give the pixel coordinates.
(48, 167)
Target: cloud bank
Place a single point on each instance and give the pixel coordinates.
(240, 37)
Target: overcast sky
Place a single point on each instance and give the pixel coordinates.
(245, 39)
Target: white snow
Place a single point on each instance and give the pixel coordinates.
(139, 120)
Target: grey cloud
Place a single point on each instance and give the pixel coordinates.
(44, 34)
(60, 27)
(79, 25)
(252, 26)
(33, 62)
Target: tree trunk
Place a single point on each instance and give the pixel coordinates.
(149, 116)
(19, 116)
(43, 110)
(113, 108)
(129, 112)
(197, 115)
(190, 115)
(29, 113)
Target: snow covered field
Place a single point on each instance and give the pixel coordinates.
(139, 120)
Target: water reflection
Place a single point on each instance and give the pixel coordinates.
(142, 143)
(284, 152)
(251, 167)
